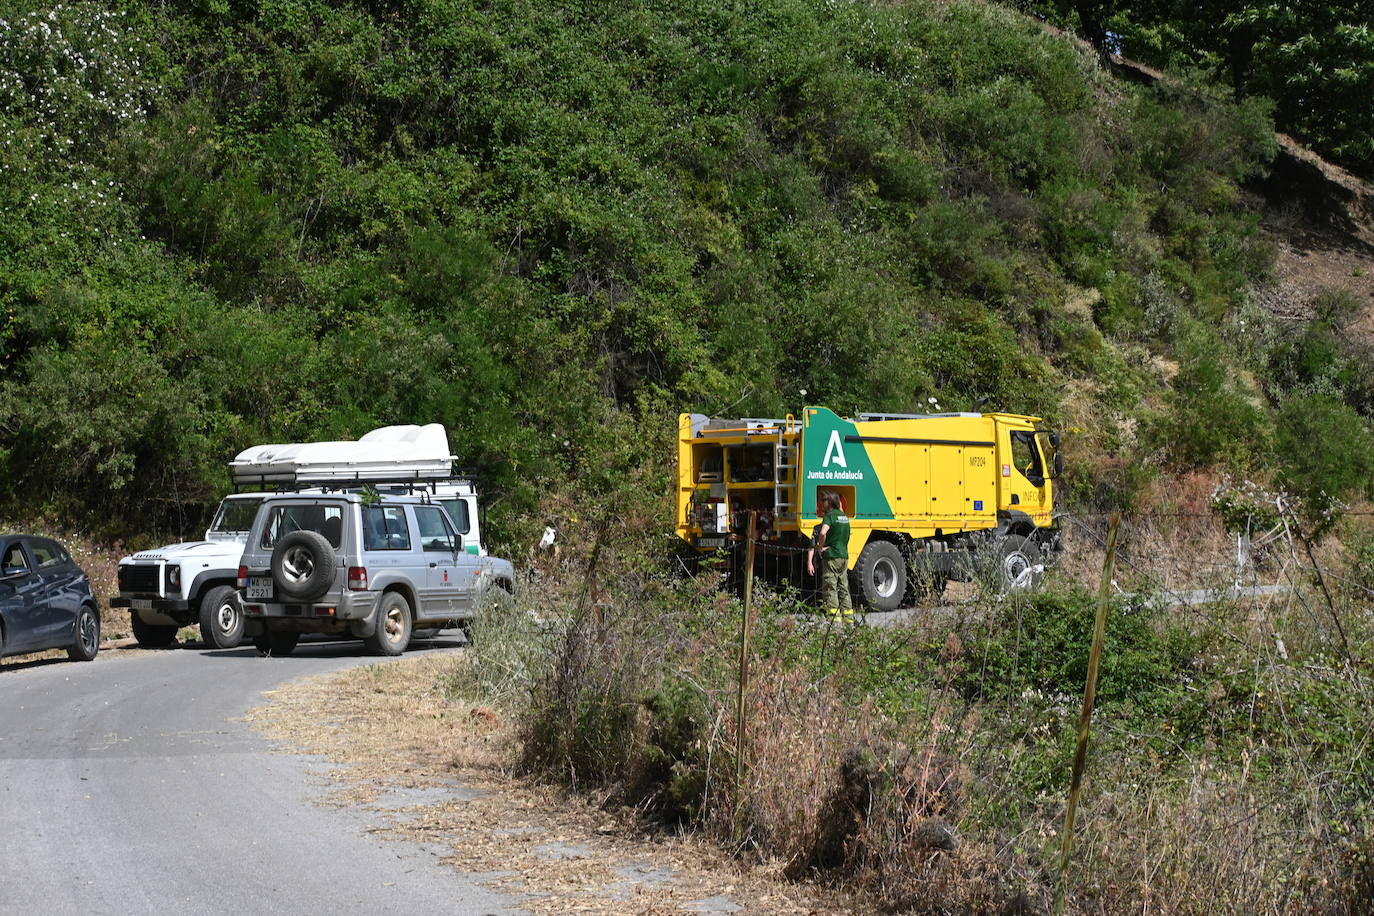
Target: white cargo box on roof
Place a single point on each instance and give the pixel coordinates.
(392, 453)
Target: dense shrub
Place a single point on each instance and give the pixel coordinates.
(550, 229)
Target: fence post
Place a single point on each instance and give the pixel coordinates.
(1080, 751)
(740, 717)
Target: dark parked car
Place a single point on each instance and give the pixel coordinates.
(45, 600)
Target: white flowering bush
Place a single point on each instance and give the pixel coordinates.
(70, 72)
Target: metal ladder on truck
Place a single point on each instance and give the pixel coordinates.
(786, 452)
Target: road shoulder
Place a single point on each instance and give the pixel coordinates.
(439, 773)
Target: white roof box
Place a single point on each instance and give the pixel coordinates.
(392, 453)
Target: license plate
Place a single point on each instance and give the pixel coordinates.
(259, 589)
(142, 604)
(710, 542)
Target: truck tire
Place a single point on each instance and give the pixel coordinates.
(881, 572)
(393, 626)
(152, 635)
(221, 618)
(1019, 564)
(303, 565)
(86, 638)
(276, 643)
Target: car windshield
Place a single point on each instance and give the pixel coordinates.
(235, 515)
(325, 519)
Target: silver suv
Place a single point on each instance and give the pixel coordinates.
(377, 567)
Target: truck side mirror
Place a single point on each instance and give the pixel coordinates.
(1058, 463)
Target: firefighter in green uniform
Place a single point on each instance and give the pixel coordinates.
(833, 544)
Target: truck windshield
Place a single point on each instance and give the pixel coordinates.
(1049, 448)
(235, 515)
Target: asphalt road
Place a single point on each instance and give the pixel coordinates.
(126, 787)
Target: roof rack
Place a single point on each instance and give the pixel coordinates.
(914, 416)
(389, 455)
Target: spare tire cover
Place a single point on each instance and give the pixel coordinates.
(303, 565)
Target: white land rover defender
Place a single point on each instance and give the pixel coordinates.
(195, 582)
(181, 584)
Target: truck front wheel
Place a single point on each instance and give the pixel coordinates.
(221, 618)
(881, 571)
(1020, 564)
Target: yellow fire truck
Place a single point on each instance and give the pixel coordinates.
(931, 497)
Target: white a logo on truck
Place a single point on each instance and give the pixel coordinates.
(834, 451)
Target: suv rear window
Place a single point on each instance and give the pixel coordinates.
(385, 528)
(284, 519)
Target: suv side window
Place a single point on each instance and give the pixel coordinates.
(458, 511)
(435, 531)
(385, 528)
(284, 519)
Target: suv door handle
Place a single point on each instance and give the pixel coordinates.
(432, 565)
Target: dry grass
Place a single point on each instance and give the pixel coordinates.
(389, 726)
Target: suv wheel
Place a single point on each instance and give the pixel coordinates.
(393, 625)
(221, 618)
(303, 565)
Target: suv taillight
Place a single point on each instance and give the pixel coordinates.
(243, 577)
(357, 578)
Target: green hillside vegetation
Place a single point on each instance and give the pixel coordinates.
(553, 226)
(1315, 59)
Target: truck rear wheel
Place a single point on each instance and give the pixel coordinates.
(881, 571)
(152, 635)
(221, 618)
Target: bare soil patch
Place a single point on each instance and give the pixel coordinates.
(391, 733)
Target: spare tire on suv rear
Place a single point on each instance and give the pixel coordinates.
(303, 565)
